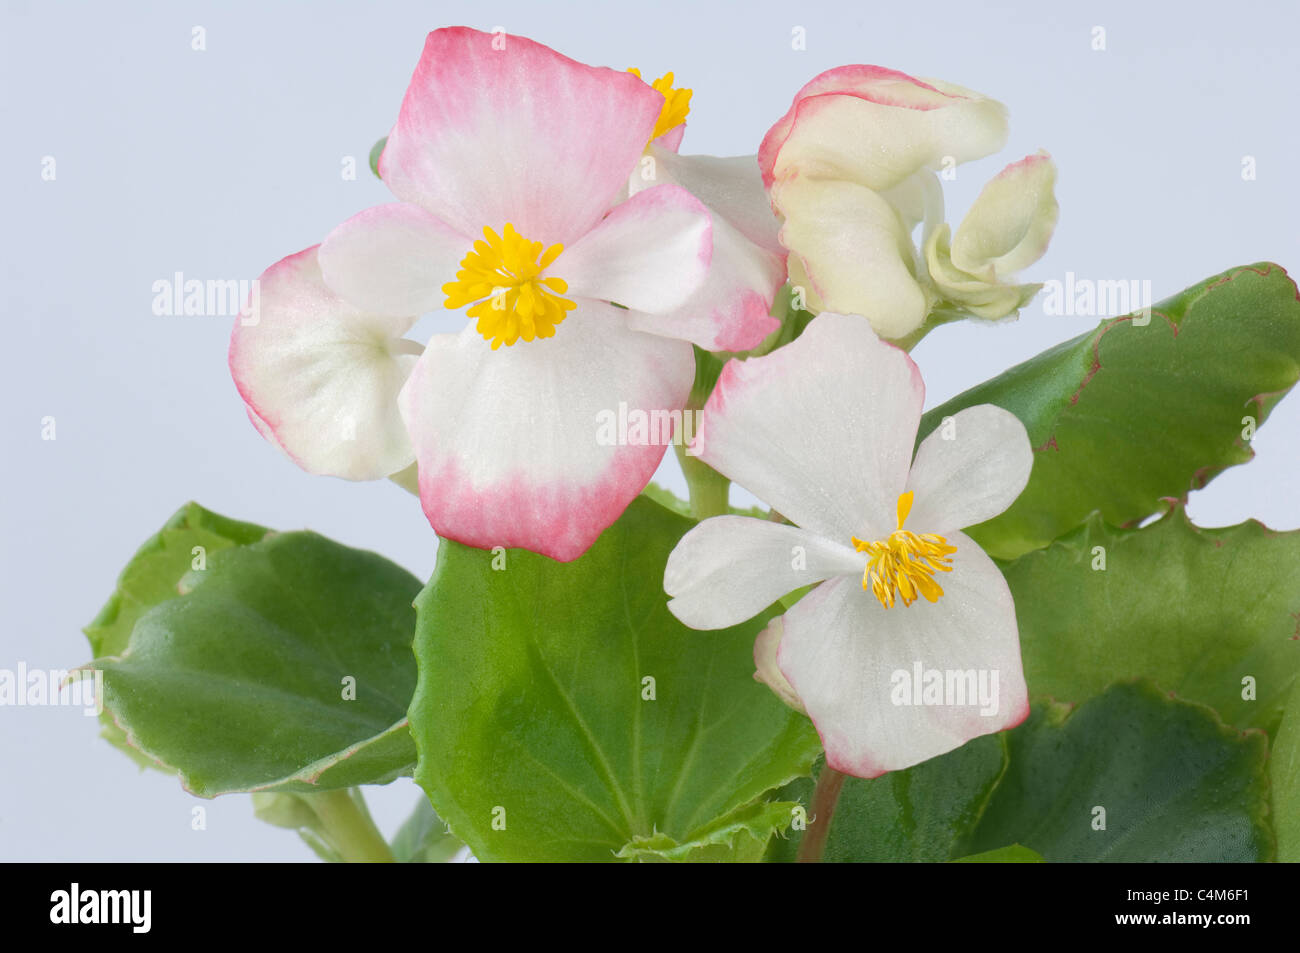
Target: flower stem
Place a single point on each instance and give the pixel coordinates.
(710, 490)
(349, 827)
(825, 796)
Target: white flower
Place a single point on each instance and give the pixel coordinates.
(822, 430)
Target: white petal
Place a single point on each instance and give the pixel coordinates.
(969, 470)
(732, 310)
(856, 252)
(650, 253)
(821, 429)
(511, 444)
(730, 186)
(1010, 224)
(730, 568)
(766, 670)
(322, 377)
(849, 659)
(392, 259)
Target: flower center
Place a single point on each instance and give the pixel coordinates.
(905, 563)
(677, 103)
(504, 275)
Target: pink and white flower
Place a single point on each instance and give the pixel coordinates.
(823, 431)
(852, 167)
(509, 162)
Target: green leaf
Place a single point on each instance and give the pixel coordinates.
(151, 577)
(1126, 415)
(740, 837)
(667, 499)
(423, 838)
(375, 152)
(1197, 610)
(1175, 783)
(562, 713)
(158, 565)
(1284, 770)
(922, 814)
(1012, 854)
(242, 683)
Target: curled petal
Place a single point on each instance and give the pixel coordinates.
(767, 671)
(855, 251)
(984, 299)
(1009, 226)
(877, 126)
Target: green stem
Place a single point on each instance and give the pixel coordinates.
(938, 316)
(710, 490)
(825, 795)
(349, 827)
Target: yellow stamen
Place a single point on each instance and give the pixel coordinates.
(504, 275)
(677, 103)
(905, 563)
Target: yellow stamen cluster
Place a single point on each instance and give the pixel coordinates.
(677, 103)
(905, 563)
(504, 274)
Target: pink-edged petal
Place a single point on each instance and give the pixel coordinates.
(730, 186)
(821, 429)
(320, 378)
(392, 259)
(855, 251)
(651, 253)
(672, 139)
(852, 663)
(496, 128)
(732, 310)
(968, 470)
(730, 568)
(876, 126)
(766, 670)
(514, 445)
(1009, 226)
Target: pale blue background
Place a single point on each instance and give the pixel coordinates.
(218, 163)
